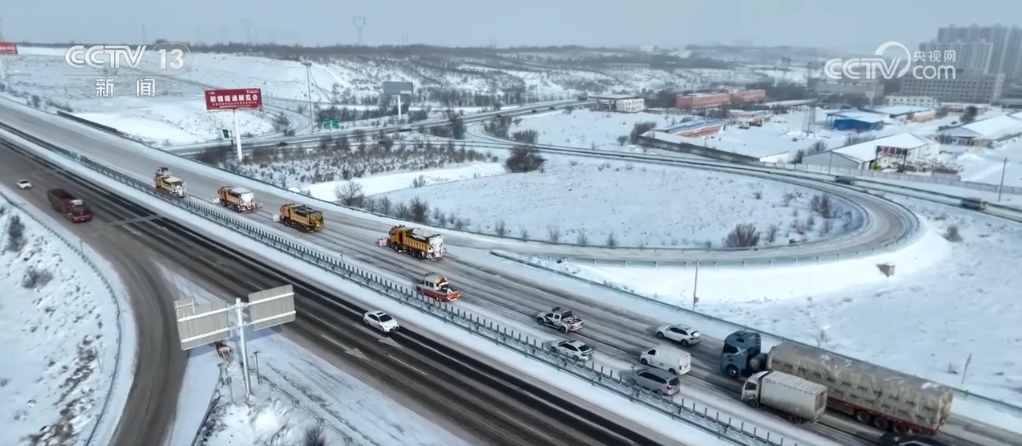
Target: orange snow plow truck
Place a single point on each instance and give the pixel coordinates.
(419, 243)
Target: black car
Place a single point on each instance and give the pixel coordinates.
(893, 439)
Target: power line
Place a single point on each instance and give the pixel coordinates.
(360, 23)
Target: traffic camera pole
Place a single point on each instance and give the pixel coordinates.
(240, 307)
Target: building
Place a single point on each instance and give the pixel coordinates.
(625, 103)
(912, 101)
(984, 88)
(694, 129)
(750, 117)
(984, 133)
(1006, 52)
(868, 88)
(888, 151)
(969, 57)
(702, 100)
(904, 113)
(744, 96)
(853, 120)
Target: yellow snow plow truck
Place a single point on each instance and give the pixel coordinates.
(300, 217)
(239, 199)
(419, 243)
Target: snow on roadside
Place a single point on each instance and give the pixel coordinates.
(60, 337)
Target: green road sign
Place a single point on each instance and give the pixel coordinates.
(330, 124)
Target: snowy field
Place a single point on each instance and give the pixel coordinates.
(621, 204)
(954, 294)
(59, 337)
(586, 128)
(984, 165)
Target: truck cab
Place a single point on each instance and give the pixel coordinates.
(742, 354)
(561, 319)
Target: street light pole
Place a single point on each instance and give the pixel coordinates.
(1004, 168)
(308, 83)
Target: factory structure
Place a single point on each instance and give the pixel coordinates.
(623, 103)
(696, 101)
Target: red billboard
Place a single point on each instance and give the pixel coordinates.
(235, 99)
(8, 49)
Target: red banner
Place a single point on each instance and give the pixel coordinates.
(8, 49)
(234, 99)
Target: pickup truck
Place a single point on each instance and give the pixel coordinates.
(561, 319)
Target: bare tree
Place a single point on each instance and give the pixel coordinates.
(370, 204)
(553, 234)
(350, 194)
(401, 211)
(786, 199)
(500, 228)
(523, 234)
(621, 140)
(419, 181)
(611, 240)
(437, 216)
(823, 205)
(15, 235)
(419, 210)
(771, 233)
(827, 227)
(384, 205)
(582, 239)
(744, 235)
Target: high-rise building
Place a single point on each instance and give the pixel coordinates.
(969, 57)
(1006, 54)
(979, 88)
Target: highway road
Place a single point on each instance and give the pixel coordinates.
(160, 364)
(491, 406)
(887, 221)
(610, 329)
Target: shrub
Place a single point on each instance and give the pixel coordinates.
(523, 234)
(419, 181)
(553, 234)
(952, 234)
(384, 205)
(15, 234)
(771, 233)
(500, 228)
(418, 210)
(401, 211)
(524, 159)
(611, 240)
(823, 205)
(582, 239)
(36, 278)
(757, 194)
(743, 235)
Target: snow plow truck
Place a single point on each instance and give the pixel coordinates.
(419, 243)
(169, 184)
(435, 286)
(300, 217)
(237, 199)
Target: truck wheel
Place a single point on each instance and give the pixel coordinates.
(794, 419)
(732, 371)
(899, 428)
(564, 329)
(880, 423)
(673, 372)
(751, 402)
(863, 417)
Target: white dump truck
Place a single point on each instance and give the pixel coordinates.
(799, 400)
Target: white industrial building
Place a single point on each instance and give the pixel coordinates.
(988, 132)
(912, 101)
(886, 151)
(624, 103)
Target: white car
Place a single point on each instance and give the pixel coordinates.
(24, 184)
(380, 321)
(576, 350)
(681, 334)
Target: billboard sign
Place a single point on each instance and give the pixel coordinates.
(8, 49)
(393, 88)
(235, 99)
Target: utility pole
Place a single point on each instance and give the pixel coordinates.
(359, 22)
(695, 288)
(308, 82)
(1004, 168)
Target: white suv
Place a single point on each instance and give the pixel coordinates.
(573, 349)
(681, 334)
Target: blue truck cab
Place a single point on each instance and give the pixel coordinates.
(742, 354)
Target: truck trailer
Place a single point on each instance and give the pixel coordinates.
(237, 198)
(169, 184)
(69, 206)
(874, 395)
(799, 400)
(419, 243)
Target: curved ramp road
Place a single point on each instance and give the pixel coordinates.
(160, 363)
(886, 221)
(491, 406)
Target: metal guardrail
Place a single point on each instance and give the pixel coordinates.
(79, 248)
(731, 429)
(203, 432)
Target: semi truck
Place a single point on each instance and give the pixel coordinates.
(300, 217)
(169, 184)
(237, 198)
(419, 243)
(874, 395)
(69, 206)
(799, 400)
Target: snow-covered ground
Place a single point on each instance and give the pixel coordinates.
(587, 128)
(948, 299)
(601, 204)
(60, 337)
(984, 165)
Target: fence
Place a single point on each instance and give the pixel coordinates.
(205, 427)
(80, 249)
(732, 429)
(679, 307)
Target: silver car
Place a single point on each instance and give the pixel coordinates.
(681, 334)
(657, 381)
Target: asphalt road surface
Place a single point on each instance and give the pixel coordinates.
(490, 406)
(160, 364)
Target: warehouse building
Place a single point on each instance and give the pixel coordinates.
(986, 133)
(914, 101)
(885, 152)
(853, 120)
(624, 103)
(694, 129)
(905, 113)
(702, 100)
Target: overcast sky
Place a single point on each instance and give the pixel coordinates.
(858, 25)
